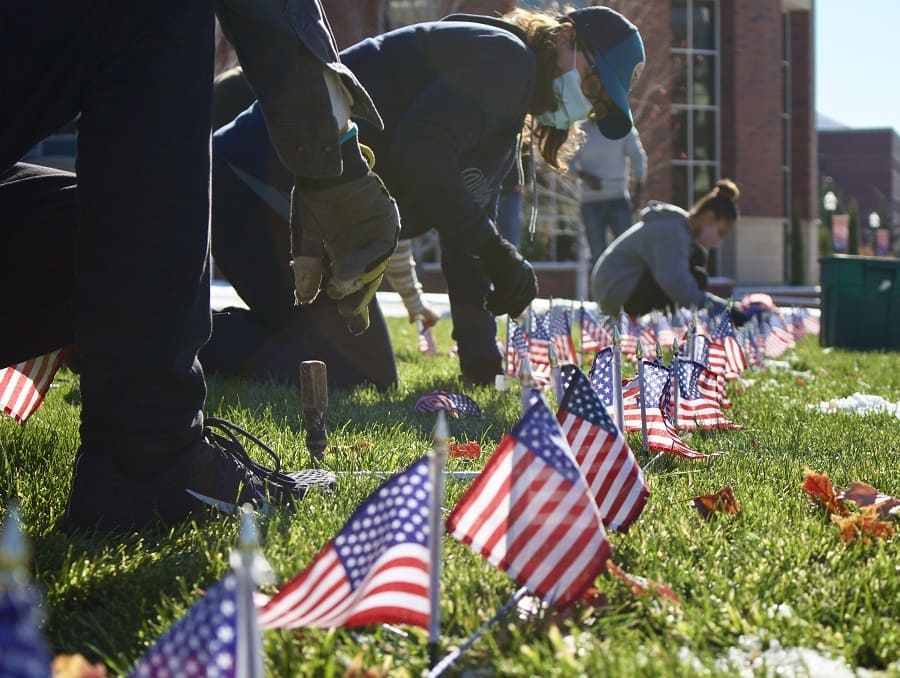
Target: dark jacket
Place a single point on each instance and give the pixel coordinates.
(289, 81)
(451, 116)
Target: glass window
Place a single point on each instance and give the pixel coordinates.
(680, 186)
(704, 180)
(679, 79)
(679, 23)
(705, 135)
(679, 135)
(704, 24)
(705, 80)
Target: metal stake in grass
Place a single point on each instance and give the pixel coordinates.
(639, 354)
(251, 569)
(673, 368)
(617, 379)
(501, 383)
(555, 374)
(436, 471)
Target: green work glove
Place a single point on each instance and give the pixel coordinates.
(355, 224)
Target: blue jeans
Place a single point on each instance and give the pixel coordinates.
(597, 215)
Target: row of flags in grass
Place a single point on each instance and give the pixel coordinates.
(772, 332)
(539, 511)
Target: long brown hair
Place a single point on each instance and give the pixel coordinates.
(542, 32)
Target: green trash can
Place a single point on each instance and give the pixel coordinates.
(860, 302)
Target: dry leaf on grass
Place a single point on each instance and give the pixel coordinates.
(464, 450)
(722, 501)
(641, 586)
(819, 488)
(864, 526)
(863, 495)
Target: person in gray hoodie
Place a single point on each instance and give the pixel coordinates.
(661, 260)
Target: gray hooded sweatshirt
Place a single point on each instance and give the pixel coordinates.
(660, 243)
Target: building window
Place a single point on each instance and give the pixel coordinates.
(695, 98)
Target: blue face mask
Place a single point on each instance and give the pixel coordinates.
(573, 105)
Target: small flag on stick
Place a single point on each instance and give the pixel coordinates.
(23, 386)
(532, 514)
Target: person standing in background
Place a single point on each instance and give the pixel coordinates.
(606, 167)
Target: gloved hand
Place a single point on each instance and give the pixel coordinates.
(515, 284)
(738, 317)
(356, 224)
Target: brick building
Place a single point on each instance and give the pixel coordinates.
(864, 165)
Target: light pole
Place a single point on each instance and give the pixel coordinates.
(829, 203)
(874, 224)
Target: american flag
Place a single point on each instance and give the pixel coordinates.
(23, 386)
(725, 352)
(595, 335)
(629, 333)
(661, 435)
(202, 643)
(531, 512)
(696, 347)
(23, 650)
(602, 452)
(601, 376)
(426, 340)
(519, 351)
(539, 343)
(777, 338)
(561, 335)
(375, 571)
(455, 404)
(754, 345)
(665, 335)
(699, 408)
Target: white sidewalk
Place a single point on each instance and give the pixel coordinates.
(222, 295)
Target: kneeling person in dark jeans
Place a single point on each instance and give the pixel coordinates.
(660, 261)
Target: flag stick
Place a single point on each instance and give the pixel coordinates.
(617, 380)
(555, 373)
(639, 354)
(525, 370)
(249, 566)
(652, 461)
(438, 456)
(579, 350)
(692, 334)
(501, 382)
(384, 475)
(674, 369)
(448, 660)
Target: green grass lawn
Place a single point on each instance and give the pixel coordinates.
(775, 574)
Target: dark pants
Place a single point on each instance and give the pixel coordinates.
(251, 246)
(597, 215)
(649, 296)
(116, 263)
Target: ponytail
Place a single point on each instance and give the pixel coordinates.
(721, 201)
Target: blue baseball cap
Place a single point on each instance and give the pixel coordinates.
(615, 47)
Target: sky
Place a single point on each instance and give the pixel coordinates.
(857, 49)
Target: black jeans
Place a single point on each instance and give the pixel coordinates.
(115, 262)
(251, 246)
(649, 296)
